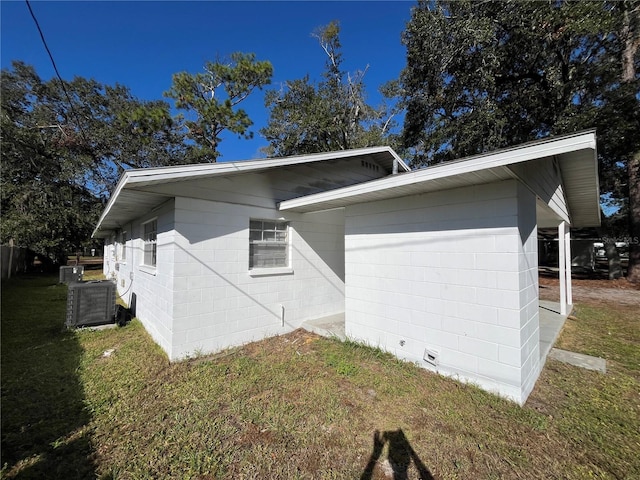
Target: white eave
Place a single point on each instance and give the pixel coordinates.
(128, 202)
(576, 154)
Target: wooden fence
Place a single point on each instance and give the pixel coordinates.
(13, 260)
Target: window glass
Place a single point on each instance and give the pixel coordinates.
(150, 240)
(268, 244)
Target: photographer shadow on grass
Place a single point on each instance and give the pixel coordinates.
(399, 457)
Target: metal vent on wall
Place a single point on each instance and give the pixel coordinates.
(91, 303)
(70, 274)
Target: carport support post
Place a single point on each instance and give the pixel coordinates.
(567, 258)
(564, 264)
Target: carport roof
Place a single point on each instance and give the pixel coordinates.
(575, 153)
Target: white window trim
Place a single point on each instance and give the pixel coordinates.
(263, 272)
(147, 268)
(123, 251)
(280, 270)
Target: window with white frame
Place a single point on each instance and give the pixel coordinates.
(113, 248)
(150, 246)
(268, 244)
(121, 246)
(123, 255)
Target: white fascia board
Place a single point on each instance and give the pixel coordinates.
(168, 174)
(522, 153)
(121, 183)
(133, 177)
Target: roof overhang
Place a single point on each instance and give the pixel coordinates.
(575, 153)
(129, 201)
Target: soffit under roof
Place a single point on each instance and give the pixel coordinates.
(141, 190)
(576, 155)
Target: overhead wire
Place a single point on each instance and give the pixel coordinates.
(55, 68)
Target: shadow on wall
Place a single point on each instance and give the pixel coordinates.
(399, 457)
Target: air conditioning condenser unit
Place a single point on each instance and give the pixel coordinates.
(70, 274)
(91, 303)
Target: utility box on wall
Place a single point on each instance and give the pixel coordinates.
(70, 274)
(91, 303)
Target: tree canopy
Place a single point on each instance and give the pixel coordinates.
(328, 115)
(211, 100)
(64, 146)
(485, 75)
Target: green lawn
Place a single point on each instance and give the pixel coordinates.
(299, 406)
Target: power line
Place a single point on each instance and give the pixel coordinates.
(55, 68)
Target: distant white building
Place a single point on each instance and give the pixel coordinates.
(438, 266)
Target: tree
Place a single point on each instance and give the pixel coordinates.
(64, 146)
(332, 114)
(485, 75)
(212, 99)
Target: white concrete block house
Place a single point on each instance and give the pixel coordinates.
(438, 266)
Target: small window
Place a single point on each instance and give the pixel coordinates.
(113, 248)
(268, 244)
(123, 256)
(150, 246)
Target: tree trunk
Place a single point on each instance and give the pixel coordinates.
(613, 258)
(633, 270)
(631, 38)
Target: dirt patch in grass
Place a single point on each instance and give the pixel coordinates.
(593, 291)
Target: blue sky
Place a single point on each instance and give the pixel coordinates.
(141, 44)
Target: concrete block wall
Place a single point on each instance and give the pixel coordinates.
(445, 271)
(153, 287)
(219, 303)
(528, 286)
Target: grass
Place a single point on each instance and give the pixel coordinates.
(299, 406)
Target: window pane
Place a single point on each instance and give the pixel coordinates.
(150, 239)
(268, 255)
(269, 236)
(268, 245)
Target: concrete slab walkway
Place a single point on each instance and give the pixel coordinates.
(331, 326)
(579, 360)
(551, 323)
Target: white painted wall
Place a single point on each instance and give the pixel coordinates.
(153, 288)
(528, 287)
(219, 304)
(450, 271)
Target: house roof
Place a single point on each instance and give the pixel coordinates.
(132, 196)
(141, 190)
(575, 154)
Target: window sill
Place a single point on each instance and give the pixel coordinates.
(147, 269)
(263, 272)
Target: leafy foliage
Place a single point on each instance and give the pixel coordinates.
(212, 98)
(63, 149)
(485, 75)
(329, 115)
